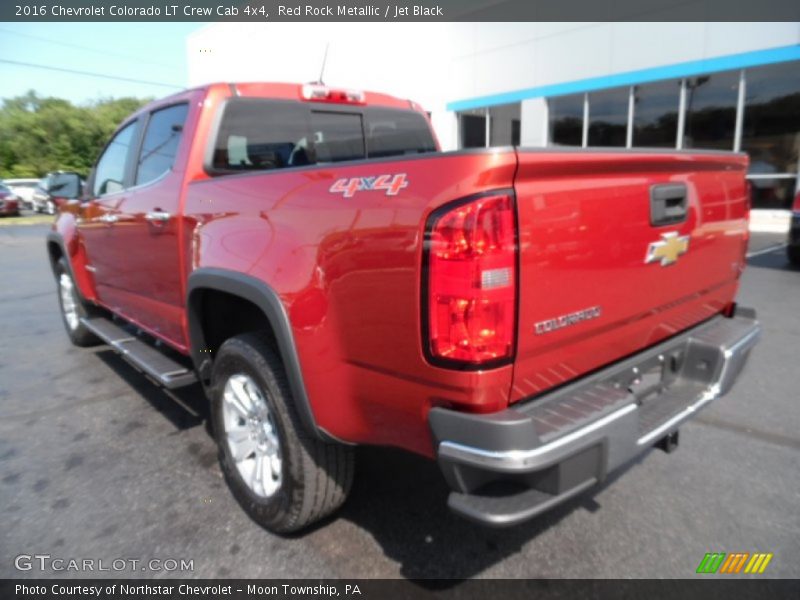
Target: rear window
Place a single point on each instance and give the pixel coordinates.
(396, 132)
(337, 136)
(258, 134)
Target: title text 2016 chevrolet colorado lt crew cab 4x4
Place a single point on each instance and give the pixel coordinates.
(532, 319)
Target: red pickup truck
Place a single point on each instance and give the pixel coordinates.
(532, 319)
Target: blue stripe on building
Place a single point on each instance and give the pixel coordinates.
(685, 69)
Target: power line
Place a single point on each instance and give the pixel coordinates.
(87, 48)
(87, 73)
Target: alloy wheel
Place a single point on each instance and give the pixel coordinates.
(252, 435)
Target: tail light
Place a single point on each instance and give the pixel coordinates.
(470, 288)
(796, 205)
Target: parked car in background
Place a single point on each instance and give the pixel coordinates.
(793, 249)
(54, 189)
(23, 188)
(9, 202)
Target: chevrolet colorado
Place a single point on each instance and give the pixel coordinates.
(532, 319)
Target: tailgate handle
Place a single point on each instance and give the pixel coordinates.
(667, 204)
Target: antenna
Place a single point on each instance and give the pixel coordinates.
(324, 60)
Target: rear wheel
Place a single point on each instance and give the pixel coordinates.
(283, 476)
(73, 308)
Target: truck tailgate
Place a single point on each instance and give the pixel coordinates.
(619, 251)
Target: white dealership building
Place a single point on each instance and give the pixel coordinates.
(732, 86)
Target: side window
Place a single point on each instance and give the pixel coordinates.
(160, 143)
(337, 136)
(258, 135)
(110, 172)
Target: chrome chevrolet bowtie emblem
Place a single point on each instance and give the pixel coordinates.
(667, 249)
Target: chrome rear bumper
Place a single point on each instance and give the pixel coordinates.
(510, 466)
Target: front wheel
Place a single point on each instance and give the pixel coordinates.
(72, 308)
(282, 475)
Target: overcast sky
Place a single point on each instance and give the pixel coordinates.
(152, 54)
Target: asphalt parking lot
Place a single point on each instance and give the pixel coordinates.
(96, 462)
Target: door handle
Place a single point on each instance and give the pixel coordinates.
(157, 216)
(668, 204)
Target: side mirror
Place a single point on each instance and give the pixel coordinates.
(65, 185)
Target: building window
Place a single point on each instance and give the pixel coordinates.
(655, 114)
(771, 131)
(608, 117)
(516, 132)
(504, 124)
(711, 110)
(473, 128)
(566, 120)
(503, 127)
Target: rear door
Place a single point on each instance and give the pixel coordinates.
(619, 251)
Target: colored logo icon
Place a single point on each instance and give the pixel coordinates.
(736, 562)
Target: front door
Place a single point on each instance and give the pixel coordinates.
(99, 216)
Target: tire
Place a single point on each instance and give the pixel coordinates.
(71, 314)
(306, 479)
(793, 254)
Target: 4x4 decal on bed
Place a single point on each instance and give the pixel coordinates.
(391, 183)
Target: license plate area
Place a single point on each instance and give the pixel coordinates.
(648, 379)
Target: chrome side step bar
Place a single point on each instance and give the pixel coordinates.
(147, 359)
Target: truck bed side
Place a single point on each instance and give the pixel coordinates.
(348, 270)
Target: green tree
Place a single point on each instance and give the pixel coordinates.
(38, 134)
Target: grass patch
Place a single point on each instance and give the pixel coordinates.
(27, 220)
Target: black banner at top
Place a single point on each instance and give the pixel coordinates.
(398, 10)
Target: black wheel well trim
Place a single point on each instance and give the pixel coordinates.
(267, 300)
(54, 238)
